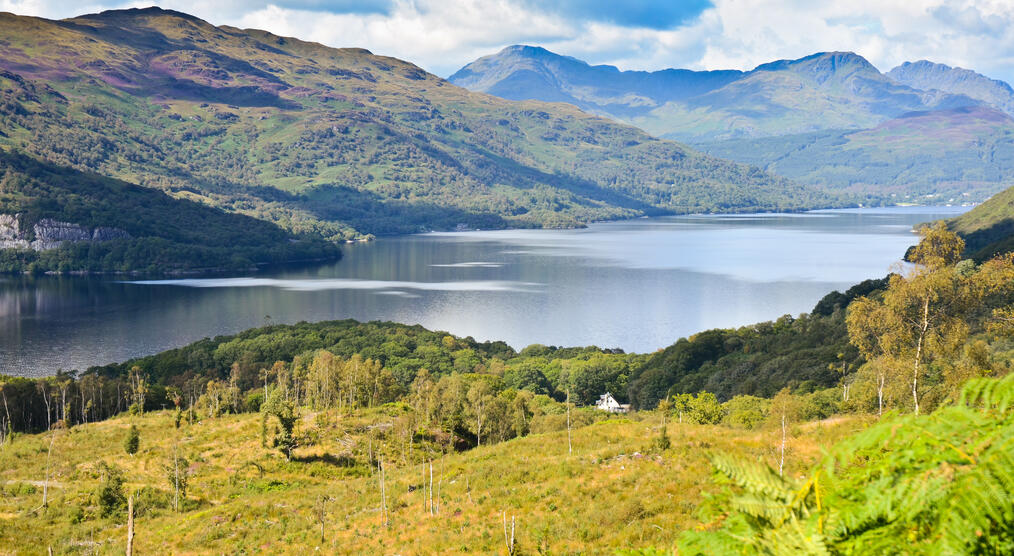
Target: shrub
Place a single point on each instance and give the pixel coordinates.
(110, 494)
(746, 411)
(133, 441)
(705, 409)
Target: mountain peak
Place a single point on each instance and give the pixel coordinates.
(825, 63)
(151, 11)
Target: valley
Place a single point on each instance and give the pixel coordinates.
(269, 294)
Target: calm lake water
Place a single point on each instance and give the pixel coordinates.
(638, 285)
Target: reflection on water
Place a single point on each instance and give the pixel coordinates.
(638, 285)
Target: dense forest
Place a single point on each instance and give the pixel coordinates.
(162, 233)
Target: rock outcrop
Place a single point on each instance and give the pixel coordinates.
(50, 234)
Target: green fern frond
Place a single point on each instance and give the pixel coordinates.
(759, 507)
(990, 393)
(753, 477)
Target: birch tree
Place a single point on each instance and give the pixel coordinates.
(921, 316)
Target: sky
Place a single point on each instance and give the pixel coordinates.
(443, 35)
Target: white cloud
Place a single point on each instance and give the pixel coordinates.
(442, 35)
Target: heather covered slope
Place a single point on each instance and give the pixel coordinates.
(336, 142)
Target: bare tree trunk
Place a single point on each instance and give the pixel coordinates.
(570, 445)
(383, 496)
(176, 478)
(49, 454)
(44, 390)
(918, 353)
(322, 514)
(436, 503)
(508, 539)
(8, 426)
(881, 382)
(130, 525)
(431, 487)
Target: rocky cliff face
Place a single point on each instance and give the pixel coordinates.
(50, 234)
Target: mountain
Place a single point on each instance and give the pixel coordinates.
(828, 90)
(949, 156)
(530, 72)
(928, 76)
(335, 142)
(54, 218)
(988, 229)
(925, 132)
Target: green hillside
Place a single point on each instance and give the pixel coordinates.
(945, 156)
(337, 142)
(988, 229)
(148, 230)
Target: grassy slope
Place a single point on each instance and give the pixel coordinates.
(988, 229)
(326, 140)
(600, 498)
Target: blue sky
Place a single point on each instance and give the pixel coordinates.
(443, 35)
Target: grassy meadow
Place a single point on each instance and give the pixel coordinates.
(617, 489)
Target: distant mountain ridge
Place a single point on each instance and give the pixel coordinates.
(827, 90)
(523, 72)
(927, 75)
(337, 143)
(921, 133)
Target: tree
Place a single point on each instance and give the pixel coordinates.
(705, 409)
(681, 404)
(480, 396)
(110, 493)
(922, 314)
(746, 411)
(521, 412)
(285, 412)
(133, 440)
(785, 409)
(138, 388)
(178, 474)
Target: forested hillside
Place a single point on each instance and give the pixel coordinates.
(954, 156)
(335, 142)
(153, 231)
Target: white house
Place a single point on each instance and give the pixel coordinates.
(608, 403)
